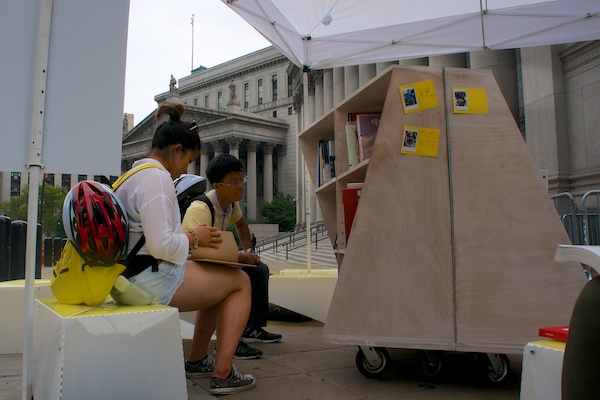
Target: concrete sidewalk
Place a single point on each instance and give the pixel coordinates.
(303, 367)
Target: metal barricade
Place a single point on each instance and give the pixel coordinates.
(590, 204)
(567, 209)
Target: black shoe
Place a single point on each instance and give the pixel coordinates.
(245, 352)
(235, 382)
(204, 367)
(260, 335)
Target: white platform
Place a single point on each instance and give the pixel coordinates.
(12, 309)
(306, 294)
(107, 352)
(542, 370)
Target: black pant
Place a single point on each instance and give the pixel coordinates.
(259, 280)
(581, 365)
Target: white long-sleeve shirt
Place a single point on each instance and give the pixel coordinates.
(151, 204)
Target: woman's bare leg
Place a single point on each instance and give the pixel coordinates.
(204, 327)
(224, 295)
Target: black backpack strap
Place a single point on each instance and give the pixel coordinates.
(203, 198)
(135, 264)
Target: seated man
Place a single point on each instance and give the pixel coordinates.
(225, 174)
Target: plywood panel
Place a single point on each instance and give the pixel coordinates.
(506, 229)
(395, 284)
(451, 254)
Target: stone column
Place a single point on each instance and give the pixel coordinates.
(268, 172)
(381, 66)
(350, 80)
(191, 169)
(217, 147)
(327, 90)
(73, 179)
(502, 63)
(458, 60)
(544, 105)
(311, 100)
(5, 186)
(338, 85)
(366, 72)
(234, 146)
(281, 169)
(204, 151)
(251, 185)
(319, 90)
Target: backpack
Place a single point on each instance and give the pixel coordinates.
(190, 188)
(75, 281)
(187, 201)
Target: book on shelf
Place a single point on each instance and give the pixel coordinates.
(350, 196)
(366, 130)
(325, 161)
(352, 144)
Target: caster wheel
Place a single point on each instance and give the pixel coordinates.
(374, 365)
(428, 364)
(495, 370)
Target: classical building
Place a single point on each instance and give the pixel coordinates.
(253, 108)
(243, 107)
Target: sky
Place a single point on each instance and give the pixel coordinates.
(159, 44)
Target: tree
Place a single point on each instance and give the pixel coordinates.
(281, 211)
(49, 214)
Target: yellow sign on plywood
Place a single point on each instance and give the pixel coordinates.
(420, 141)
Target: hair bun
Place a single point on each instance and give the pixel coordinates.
(174, 111)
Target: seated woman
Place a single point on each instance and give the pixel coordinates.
(221, 295)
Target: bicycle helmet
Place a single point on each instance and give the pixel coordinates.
(96, 223)
(189, 185)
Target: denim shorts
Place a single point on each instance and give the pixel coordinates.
(152, 287)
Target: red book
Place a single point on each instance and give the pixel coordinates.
(350, 198)
(555, 332)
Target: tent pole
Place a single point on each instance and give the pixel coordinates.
(35, 166)
(307, 219)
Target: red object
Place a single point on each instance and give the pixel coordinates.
(555, 332)
(350, 198)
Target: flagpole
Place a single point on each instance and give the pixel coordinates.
(192, 22)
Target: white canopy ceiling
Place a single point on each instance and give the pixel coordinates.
(329, 33)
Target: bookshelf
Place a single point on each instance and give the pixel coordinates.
(453, 252)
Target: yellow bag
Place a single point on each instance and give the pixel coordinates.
(75, 282)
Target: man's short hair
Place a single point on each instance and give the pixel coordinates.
(220, 166)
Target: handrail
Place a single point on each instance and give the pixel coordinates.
(289, 239)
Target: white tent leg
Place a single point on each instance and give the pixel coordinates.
(35, 166)
(306, 176)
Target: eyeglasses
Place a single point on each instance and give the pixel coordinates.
(236, 182)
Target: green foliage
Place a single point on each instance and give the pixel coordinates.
(50, 199)
(281, 211)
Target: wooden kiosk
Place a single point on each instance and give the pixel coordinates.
(447, 252)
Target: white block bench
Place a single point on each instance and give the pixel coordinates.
(12, 309)
(107, 352)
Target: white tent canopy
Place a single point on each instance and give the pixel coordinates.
(330, 33)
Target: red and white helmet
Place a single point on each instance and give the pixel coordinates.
(96, 223)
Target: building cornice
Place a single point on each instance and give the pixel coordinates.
(580, 57)
(224, 77)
